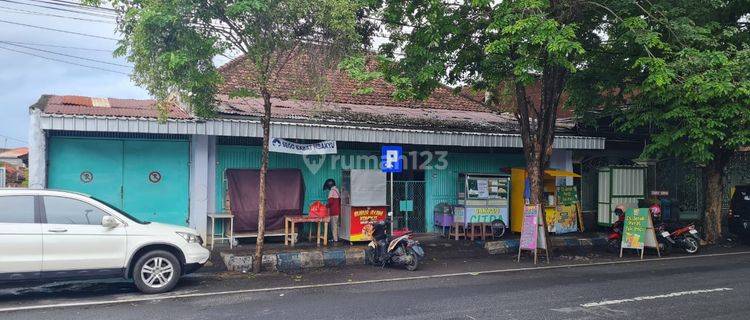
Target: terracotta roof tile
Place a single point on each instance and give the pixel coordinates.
(14, 153)
(108, 107)
(294, 82)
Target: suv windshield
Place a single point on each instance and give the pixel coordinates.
(127, 215)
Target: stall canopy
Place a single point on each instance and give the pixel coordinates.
(561, 174)
(285, 190)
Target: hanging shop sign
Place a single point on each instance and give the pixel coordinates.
(285, 146)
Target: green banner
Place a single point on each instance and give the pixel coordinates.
(634, 233)
(567, 195)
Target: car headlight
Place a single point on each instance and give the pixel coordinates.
(190, 238)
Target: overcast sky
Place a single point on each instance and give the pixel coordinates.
(23, 78)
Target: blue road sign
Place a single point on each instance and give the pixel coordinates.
(391, 161)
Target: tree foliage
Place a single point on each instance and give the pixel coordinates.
(682, 69)
(502, 47)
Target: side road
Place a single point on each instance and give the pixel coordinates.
(216, 284)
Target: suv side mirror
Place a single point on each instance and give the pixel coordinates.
(109, 222)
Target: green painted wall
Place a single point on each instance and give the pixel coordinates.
(440, 184)
(329, 166)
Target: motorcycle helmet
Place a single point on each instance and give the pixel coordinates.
(655, 210)
(330, 183)
(620, 209)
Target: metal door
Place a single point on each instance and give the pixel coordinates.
(156, 180)
(91, 166)
(409, 205)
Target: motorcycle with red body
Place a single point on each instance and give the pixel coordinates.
(614, 239)
(678, 236)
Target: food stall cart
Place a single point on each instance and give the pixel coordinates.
(561, 216)
(363, 201)
(482, 198)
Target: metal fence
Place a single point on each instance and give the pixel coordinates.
(409, 205)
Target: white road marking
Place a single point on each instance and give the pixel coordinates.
(181, 295)
(661, 296)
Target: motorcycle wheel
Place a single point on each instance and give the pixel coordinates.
(413, 263)
(691, 245)
(370, 256)
(613, 246)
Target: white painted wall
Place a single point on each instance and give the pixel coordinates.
(562, 159)
(202, 173)
(37, 152)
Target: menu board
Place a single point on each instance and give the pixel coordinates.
(483, 189)
(532, 233)
(634, 233)
(567, 195)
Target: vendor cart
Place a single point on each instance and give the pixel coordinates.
(363, 201)
(482, 199)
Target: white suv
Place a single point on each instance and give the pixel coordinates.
(55, 235)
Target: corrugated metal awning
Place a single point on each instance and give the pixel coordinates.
(301, 130)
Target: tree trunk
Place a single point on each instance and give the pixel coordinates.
(714, 173)
(266, 123)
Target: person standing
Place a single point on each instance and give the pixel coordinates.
(334, 206)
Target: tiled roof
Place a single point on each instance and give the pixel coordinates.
(111, 107)
(294, 82)
(14, 153)
(401, 117)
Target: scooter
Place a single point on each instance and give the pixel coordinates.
(683, 237)
(614, 239)
(387, 251)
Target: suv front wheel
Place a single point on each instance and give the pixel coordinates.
(157, 272)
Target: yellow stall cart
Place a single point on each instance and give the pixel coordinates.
(562, 216)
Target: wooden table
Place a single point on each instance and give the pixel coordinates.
(223, 218)
(290, 221)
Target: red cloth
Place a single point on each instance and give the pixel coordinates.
(334, 206)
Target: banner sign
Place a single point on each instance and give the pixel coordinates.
(530, 229)
(562, 219)
(284, 146)
(634, 233)
(567, 195)
(362, 219)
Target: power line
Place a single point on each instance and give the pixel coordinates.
(64, 61)
(85, 12)
(67, 55)
(58, 30)
(73, 5)
(14, 139)
(56, 46)
(21, 11)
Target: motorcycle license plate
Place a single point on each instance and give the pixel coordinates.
(665, 234)
(694, 232)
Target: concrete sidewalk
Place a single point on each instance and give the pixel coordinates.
(290, 259)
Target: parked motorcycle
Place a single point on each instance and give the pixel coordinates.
(384, 250)
(614, 239)
(683, 237)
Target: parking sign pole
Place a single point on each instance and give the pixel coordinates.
(392, 215)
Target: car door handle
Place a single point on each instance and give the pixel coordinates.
(58, 230)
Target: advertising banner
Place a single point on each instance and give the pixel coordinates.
(634, 233)
(362, 219)
(530, 230)
(284, 146)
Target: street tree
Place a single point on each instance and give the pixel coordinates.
(172, 44)
(681, 68)
(501, 47)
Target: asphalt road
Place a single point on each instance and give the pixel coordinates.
(707, 287)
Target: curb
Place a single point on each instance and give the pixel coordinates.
(561, 243)
(295, 261)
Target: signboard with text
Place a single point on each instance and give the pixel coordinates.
(361, 221)
(634, 233)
